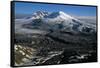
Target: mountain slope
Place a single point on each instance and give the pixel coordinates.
(56, 21)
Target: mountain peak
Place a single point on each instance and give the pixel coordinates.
(65, 14)
(40, 13)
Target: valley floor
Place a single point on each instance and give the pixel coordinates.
(54, 48)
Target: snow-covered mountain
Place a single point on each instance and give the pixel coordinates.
(38, 15)
(57, 21)
(61, 18)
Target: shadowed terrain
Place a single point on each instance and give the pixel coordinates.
(56, 38)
